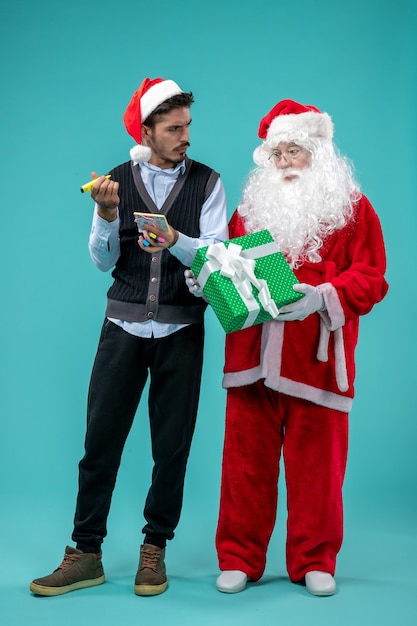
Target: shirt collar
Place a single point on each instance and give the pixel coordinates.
(178, 169)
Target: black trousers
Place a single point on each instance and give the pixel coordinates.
(119, 374)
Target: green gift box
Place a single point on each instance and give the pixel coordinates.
(245, 279)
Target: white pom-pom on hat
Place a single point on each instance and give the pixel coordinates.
(140, 153)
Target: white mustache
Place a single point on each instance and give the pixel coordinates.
(290, 171)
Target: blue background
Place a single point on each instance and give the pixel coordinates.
(68, 71)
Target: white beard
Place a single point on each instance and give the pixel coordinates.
(300, 214)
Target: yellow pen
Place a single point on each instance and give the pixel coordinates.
(88, 186)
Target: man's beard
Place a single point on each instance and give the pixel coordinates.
(301, 213)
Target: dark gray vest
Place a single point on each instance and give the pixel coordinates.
(152, 286)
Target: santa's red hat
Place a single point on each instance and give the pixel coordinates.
(291, 121)
(145, 100)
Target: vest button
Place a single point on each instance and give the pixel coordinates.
(152, 298)
(154, 280)
(150, 314)
(154, 259)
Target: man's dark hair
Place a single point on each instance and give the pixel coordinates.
(176, 102)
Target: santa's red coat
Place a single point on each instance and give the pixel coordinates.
(313, 359)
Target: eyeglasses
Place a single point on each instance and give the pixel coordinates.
(291, 154)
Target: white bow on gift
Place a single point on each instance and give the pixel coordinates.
(232, 264)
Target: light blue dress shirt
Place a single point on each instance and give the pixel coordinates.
(104, 245)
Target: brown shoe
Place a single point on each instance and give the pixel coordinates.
(151, 576)
(77, 570)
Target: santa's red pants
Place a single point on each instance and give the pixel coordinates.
(314, 440)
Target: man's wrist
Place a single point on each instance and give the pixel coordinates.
(107, 214)
(176, 235)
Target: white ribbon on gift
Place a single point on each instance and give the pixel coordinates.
(236, 264)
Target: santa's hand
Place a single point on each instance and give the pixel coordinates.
(312, 302)
(193, 285)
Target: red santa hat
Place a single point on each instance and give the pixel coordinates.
(145, 100)
(291, 121)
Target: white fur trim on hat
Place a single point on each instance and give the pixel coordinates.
(309, 124)
(293, 127)
(156, 95)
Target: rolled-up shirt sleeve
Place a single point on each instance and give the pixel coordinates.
(104, 244)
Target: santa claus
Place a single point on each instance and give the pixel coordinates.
(290, 381)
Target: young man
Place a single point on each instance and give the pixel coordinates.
(152, 326)
(290, 381)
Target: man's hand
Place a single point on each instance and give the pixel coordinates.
(105, 193)
(153, 239)
(312, 302)
(193, 285)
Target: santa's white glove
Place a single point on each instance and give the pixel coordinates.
(193, 285)
(312, 302)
